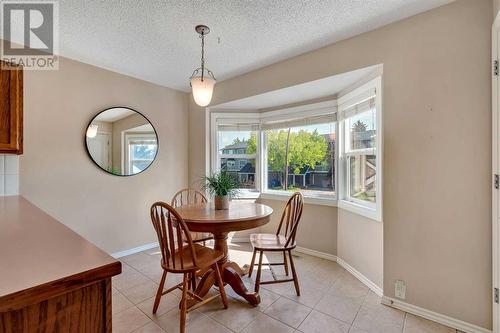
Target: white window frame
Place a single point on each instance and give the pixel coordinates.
(128, 137)
(227, 118)
(361, 207)
(215, 117)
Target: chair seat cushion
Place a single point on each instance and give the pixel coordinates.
(269, 242)
(205, 257)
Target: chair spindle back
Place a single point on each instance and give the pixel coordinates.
(173, 236)
(188, 197)
(291, 217)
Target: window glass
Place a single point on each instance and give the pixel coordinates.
(302, 158)
(360, 157)
(362, 177)
(237, 155)
(141, 154)
(362, 130)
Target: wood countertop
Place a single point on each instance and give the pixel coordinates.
(40, 256)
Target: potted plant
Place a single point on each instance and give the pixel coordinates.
(221, 185)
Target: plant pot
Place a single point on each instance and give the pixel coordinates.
(221, 202)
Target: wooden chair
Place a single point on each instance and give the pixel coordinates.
(180, 255)
(188, 197)
(279, 243)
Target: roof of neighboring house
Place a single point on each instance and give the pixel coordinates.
(248, 168)
(238, 145)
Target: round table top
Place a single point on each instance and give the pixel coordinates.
(241, 215)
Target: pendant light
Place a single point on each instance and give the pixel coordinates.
(202, 80)
(92, 131)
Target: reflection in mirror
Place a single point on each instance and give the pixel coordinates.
(121, 141)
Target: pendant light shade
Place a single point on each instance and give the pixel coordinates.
(202, 89)
(92, 131)
(202, 80)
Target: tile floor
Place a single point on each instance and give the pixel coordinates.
(332, 301)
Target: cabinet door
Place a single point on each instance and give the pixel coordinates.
(11, 109)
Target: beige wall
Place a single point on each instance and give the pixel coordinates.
(437, 149)
(103, 126)
(360, 243)
(59, 177)
(197, 160)
(496, 7)
(316, 222)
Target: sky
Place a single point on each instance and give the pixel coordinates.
(368, 118)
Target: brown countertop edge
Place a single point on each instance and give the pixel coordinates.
(28, 236)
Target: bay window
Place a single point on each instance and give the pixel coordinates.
(329, 151)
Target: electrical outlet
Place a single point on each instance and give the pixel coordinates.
(400, 289)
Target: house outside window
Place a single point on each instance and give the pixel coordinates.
(237, 153)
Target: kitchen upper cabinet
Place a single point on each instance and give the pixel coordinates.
(11, 109)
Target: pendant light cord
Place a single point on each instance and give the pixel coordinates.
(202, 55)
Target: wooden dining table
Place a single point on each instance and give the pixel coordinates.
(241, 215)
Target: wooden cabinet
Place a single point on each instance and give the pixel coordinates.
(51, 279)
(11, 109)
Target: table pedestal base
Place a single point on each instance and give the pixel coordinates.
(231, 274)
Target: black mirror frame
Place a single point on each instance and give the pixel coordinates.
(120, 107)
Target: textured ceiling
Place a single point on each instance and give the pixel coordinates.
(155, 39)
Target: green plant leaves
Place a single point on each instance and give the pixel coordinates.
(220, 184)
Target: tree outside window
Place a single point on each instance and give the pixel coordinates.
(301, 158)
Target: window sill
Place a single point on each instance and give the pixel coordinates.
(244, 195)
(313, 200)
(360, 210)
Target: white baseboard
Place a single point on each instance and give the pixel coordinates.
(434, 316)
(138, 249)
(366, 281)
(304, 250)
(315, 253)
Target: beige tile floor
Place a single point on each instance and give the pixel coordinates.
(332, 301)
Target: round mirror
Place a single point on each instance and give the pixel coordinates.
(121, 141)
